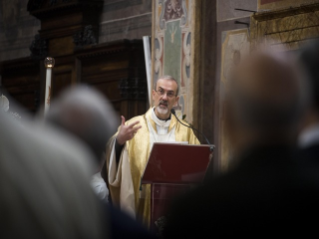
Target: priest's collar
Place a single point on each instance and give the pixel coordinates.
(165, 120)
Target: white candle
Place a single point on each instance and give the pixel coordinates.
(49, 64)
(47, 90)
(147, 55)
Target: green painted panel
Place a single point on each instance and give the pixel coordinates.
(173, 49)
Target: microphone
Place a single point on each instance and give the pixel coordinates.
(189, 126)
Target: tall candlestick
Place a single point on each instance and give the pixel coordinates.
(147, 55)
(49, 64)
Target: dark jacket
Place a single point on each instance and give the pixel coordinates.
(269, 193)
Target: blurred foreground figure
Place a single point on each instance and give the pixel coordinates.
(267, 192)
(309, 138)
(44, 185)
(87, 115)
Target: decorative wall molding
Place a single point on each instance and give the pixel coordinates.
(266, 5)
(120, 4)
(290, 27)
(108, 48)
(172, 47)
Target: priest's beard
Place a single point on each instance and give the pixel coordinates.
(162, 111)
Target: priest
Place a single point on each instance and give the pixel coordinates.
(128, 150)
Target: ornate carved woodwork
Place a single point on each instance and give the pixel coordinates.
(38, 48)
(290, 27)
(69, 33)
(116, 69)
(67, 24)
(87, 36)
(133, 88)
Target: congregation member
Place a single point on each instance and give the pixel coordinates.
(87, 115)
(45, 189)
(266, 192)
(128, 150)
(309, 137)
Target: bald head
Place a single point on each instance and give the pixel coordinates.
(266, 95)
(85, 113)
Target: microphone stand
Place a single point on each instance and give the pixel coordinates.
(209, 170)
(211, 146)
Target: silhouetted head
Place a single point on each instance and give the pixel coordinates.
(265, 99)
(309, 61)
(85, 113)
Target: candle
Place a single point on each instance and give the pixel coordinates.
(49, 64)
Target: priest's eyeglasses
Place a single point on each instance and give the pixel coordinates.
(161, 92)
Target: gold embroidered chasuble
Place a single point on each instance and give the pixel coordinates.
(124, 179)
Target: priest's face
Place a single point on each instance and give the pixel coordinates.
(164, 97)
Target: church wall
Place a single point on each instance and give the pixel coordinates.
(17, 29)
(173, 49)
(206, 45)
(126, 19)
(230, 37)
(277, 22)
(121, 19)
(113, 63)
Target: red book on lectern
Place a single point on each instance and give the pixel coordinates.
(176, 163)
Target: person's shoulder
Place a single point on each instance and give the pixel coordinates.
(188, 128)
(123, 226)
(29, 134)
(58, 148)
(135, 118)
(309, 152)
(183, 124)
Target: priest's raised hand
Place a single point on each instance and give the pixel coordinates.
(127, 132)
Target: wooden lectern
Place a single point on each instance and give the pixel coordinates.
(171, 170)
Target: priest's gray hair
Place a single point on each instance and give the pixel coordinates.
(167, 77)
